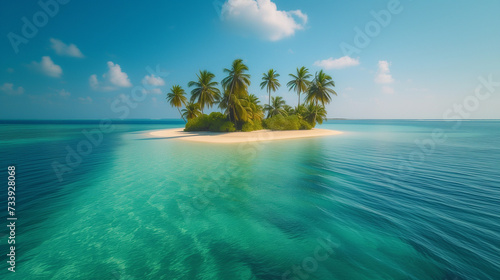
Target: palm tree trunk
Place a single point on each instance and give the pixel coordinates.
(316, 112)
(269, 98)
(181, 114)
(269, 111)
(228, 99)
(299, 99)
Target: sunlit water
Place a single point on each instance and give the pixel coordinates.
(384, 200)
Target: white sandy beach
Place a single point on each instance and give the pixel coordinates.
(240, 137)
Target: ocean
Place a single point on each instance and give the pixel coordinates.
(388, 199)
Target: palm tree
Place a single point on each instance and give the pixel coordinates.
(320, 89)
(235, 87)
(270, 80)
(300, 111)
(288, 109)
(314, 113)
(192, 111)
(255, 108)
(300, 82)
(177, 97)
(205, 92)
(237, 109)
(276, 108)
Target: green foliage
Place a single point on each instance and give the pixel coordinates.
(300, 82)
(215, 122)
(227, 126)
(252, 126)
(200, 123)
(288, 109)
(235, 88)
(320, 89)
(314, 114)
(243, 111)
(277, 107)
(270, 82)
(177, 97)
(280, 122)
(205, 92)
(304, 125)
(191, 111)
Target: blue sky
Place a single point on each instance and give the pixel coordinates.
(425, 62)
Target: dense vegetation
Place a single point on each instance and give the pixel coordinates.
(242, 111)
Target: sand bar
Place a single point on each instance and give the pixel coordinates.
(240, 137)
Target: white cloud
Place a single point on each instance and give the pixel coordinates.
(262, 18)
(85, 100)
(94, 84)
(9, 89)
(387, 90)
(338, 63)
(116, 76)
(153, 81)
(48, 67)
(66, 50)
(112, 80)
(383, 74)
(64, 93)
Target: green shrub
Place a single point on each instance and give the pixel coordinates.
(216, 122)
(248, 126)
(251, 126)
(279, 122)
(257, 125)
(227, 126)
(304, 125)
(200, 123)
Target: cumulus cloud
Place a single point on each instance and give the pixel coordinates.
(66, 50)
(64, 93)
(116, 76)
(338, 63)
(153, 81)
(383, 74)
(151, 84)
(94, 84)
(112, 80)
(262, 18)
(10, 89)
(48, 67)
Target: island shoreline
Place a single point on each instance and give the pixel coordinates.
(240, 137)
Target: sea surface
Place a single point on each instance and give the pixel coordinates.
(388, 199)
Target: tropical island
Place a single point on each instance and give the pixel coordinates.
(242, 111)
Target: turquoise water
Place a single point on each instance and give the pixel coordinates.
(384, 200)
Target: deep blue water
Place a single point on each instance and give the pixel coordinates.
(388, 199)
